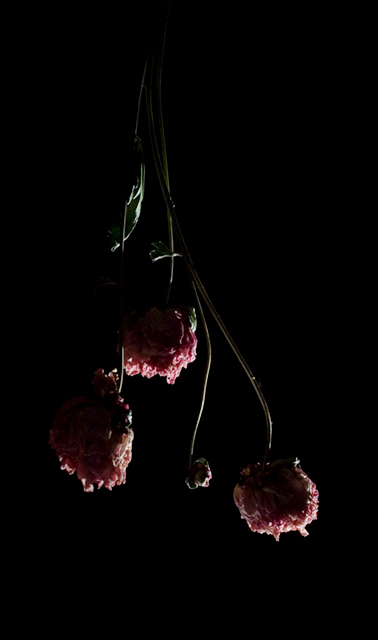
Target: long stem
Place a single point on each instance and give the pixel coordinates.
(195, 277)
(164, 150)
(140, 97)
(122, 248)
(121, 286)
(171, 246)
(204, 386)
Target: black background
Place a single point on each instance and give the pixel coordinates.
(257, 149)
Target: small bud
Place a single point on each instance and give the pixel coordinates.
(199, 474)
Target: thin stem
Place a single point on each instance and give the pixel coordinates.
(123, 229)
(140, 97)
(195, 277)
(208, 363)
(164, 150)
(171, 246)
(122, 247)
(121, 285)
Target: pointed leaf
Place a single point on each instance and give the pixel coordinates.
(134, 203)
(162, 251)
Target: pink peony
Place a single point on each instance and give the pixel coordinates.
(280, 499)
(158, 342)
(93, 437)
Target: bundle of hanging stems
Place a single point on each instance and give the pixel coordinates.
(153, 67)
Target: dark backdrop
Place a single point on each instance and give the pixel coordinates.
(254, 130)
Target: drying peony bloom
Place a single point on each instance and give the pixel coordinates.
(93, 437)
(199, 474)
(280, 499)
(160, 341)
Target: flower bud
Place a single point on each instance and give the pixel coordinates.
(199, 474)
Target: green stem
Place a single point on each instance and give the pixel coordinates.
(164, 150)
(171, 245)
(121, 285)
(195, 277)
(207, 371)
(140, 97)
(122, 248)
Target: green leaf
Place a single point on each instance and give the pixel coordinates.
(134, 203)
(192, 317)
(162, 251)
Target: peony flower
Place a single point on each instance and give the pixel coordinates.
(199, 474)
(280, 499)
(160, 341)
(93, 437)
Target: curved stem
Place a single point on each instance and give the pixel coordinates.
(204, 386)
(195, 277)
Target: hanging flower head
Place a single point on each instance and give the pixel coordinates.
(199, 474)
(279, 499)
(159, 342)
(92, 437)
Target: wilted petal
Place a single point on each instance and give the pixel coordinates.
(93, 438)
(158, 342)
(280, 499)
